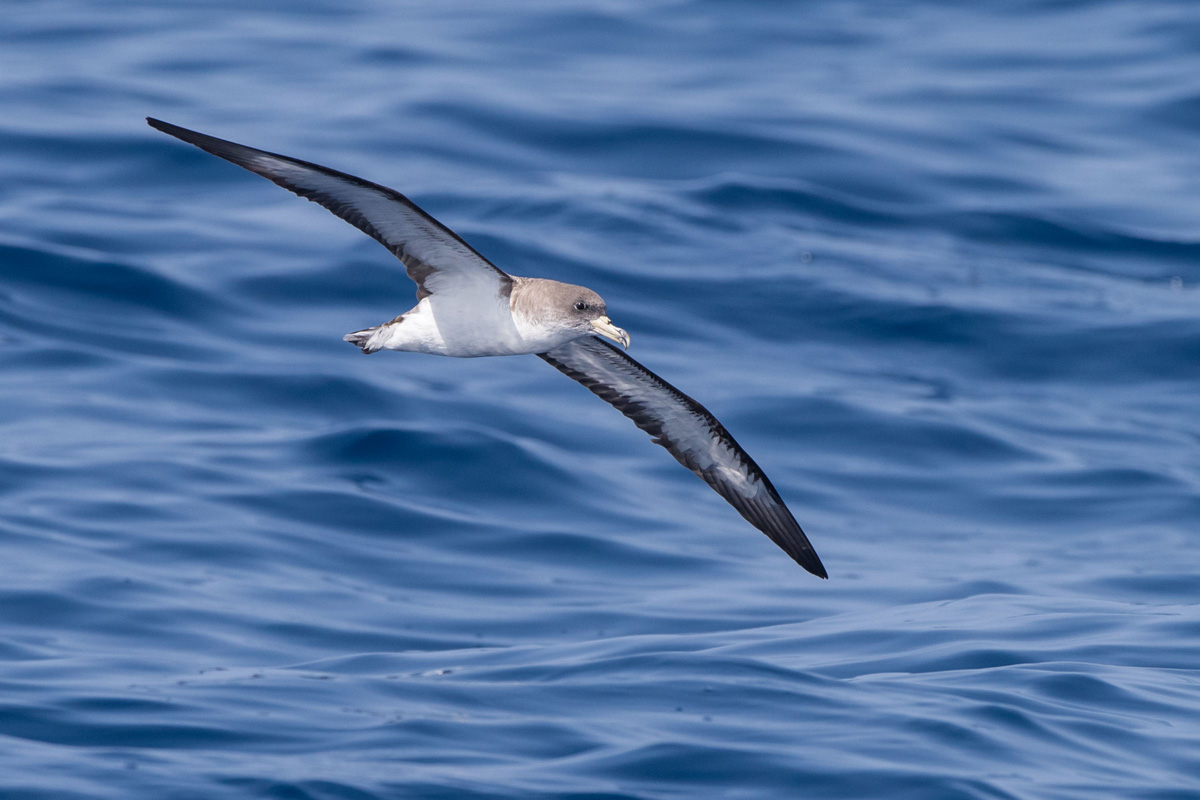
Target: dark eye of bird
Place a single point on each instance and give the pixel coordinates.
(581, 306)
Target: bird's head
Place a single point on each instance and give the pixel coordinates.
(587, 313)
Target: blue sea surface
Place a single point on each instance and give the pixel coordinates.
(935, 265)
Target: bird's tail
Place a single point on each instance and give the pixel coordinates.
(365, 339)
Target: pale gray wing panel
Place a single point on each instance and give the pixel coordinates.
(433, 254)
(690, 433)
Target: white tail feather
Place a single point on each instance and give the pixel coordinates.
(365, 339)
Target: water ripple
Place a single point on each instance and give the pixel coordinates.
(933, 266)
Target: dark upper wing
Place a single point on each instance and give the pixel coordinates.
(435, 256)
(690, 433)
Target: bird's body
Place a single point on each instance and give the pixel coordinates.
(469, 308)
(485, 323)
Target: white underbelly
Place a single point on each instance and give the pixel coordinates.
(440, 328)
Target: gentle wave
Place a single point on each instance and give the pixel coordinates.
(935, 268)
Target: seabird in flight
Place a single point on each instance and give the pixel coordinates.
(467, 307)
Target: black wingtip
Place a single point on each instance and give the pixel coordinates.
(159, 125)
(218, 147)
(802, 552)
(804, 556)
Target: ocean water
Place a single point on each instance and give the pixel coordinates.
(936, 266)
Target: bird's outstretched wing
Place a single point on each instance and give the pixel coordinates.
(690, 433)
(436, 258)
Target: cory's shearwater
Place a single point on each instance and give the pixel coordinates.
(467, 307)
